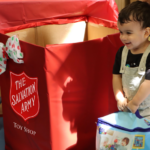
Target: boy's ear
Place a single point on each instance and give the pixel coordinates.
(147, 32)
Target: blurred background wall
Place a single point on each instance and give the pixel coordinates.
(122, 3)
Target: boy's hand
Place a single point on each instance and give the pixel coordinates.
(132, 106)
(121, 104)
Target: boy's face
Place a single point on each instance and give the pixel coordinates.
(132, 35)
(123, 143)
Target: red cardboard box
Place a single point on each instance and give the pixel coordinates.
(54, 98)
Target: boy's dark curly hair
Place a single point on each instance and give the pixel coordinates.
(137, 11)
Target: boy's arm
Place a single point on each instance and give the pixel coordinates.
(118, 91)
(142, 93)
(117, 86)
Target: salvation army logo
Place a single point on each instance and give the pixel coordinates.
(24, 98)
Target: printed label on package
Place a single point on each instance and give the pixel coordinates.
(24, 98)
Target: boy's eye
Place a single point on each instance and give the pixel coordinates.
(128, 32)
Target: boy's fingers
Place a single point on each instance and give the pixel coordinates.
(125, 104)
(120, 108)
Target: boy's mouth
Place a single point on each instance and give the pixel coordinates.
(127, 44)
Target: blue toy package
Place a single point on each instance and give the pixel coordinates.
(123, 131)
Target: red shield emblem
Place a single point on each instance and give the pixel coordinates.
(24, 98)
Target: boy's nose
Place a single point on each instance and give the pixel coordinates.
(123, 37)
